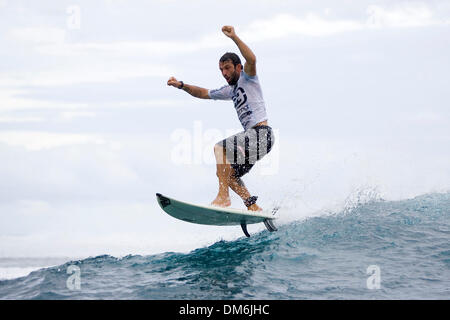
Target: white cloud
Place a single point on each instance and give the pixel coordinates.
(40, 35)
(10, 101)
(401, 16)
(129, 48)
(38, 140)
(20, 119)
(284, 25)
(34, 208)
(426, 118)
(84, 72)
(70, 115)
(281, 25)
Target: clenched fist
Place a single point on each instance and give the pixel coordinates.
(173, 82)
(228, 31)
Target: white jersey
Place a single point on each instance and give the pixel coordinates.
(247, 97)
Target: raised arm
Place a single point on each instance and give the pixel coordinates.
(194, 91)
(249, 56)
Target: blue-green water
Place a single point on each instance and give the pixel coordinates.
(323, 257)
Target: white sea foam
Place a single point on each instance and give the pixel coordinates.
(16, 272)
(12, 268)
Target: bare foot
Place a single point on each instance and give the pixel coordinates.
(254, 207)
(221, 202)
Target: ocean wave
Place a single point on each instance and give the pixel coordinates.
(324, 257)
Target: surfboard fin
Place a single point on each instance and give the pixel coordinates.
(244, 228)
(269, 225)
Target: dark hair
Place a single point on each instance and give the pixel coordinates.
(231, 56)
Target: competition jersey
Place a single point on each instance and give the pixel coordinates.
(247, 98)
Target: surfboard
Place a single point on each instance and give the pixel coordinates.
(216, 216)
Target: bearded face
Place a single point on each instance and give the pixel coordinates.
(230, 72)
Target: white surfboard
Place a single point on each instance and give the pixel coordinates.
(212, 215)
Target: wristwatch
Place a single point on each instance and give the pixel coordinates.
(182, 85)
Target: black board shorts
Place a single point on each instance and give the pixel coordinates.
(243, 149)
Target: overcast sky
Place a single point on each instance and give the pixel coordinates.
(357, 92)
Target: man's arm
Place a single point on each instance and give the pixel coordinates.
(194, 91)
(249, 56)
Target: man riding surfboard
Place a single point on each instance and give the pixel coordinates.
(236, 155)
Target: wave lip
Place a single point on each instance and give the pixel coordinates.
(325, 257)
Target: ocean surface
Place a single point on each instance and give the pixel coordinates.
(376, 250)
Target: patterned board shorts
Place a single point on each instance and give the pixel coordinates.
(242, 150)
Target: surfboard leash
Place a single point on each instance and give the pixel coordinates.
(250, 201)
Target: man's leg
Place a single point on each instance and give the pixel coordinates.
(226, 173)
(223, 173)
(238, 186)
(226, 180)
(255, 144)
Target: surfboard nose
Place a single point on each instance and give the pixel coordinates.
(163, 201)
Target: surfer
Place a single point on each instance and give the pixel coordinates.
(236, 155)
